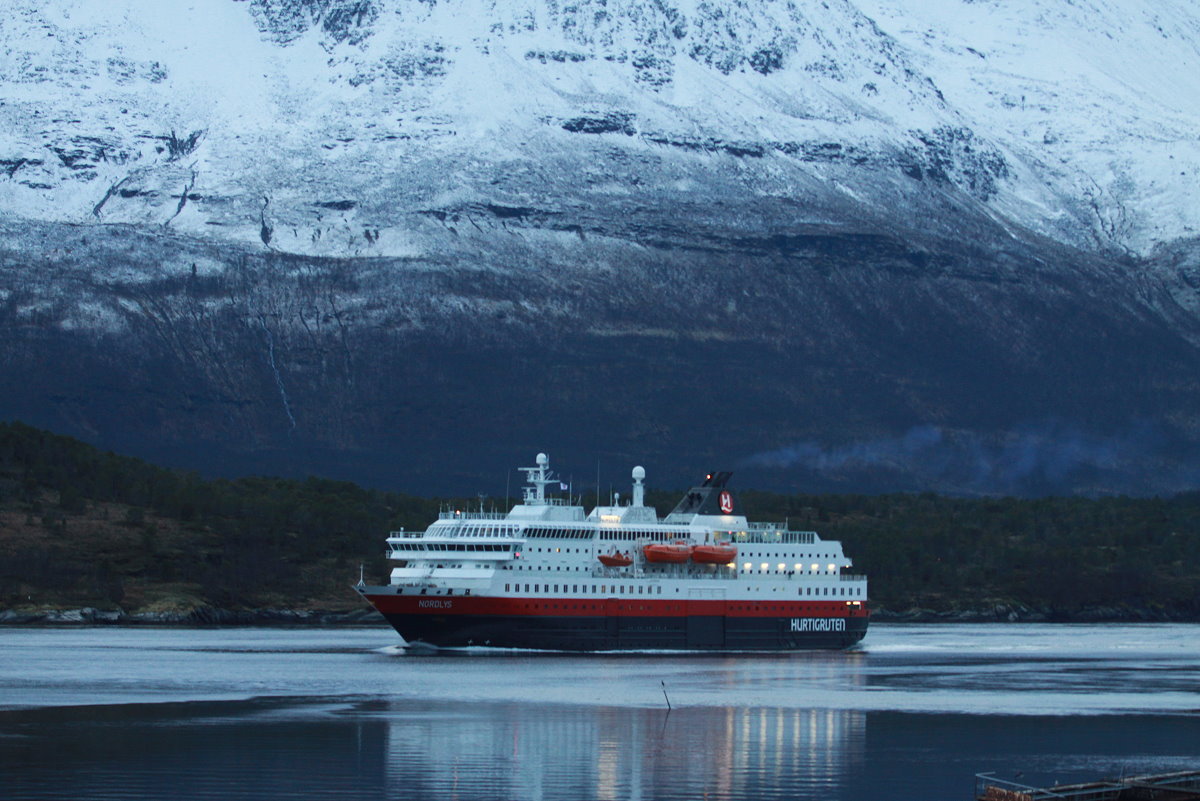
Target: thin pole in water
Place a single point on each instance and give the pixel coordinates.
(664, 686)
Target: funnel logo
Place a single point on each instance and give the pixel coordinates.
(726, 501)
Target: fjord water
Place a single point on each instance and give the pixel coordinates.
(915, 712)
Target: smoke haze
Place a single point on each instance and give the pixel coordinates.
(1049, 457)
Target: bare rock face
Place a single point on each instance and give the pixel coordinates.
(854, 245)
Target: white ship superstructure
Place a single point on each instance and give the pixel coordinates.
(547, 574)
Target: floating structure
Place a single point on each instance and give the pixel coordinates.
(1181, 786)
(548, 575)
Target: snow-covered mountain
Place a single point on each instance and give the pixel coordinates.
(330, 120)
(890, 210)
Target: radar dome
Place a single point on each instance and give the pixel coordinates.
(639, 473)
(542, 460)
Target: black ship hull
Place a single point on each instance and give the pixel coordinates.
(450, 628)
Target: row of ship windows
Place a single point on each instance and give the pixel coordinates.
(782, 608)
(631, 589)
(610, 535)
(606, 534)
(554, 533)
(789, 537)
(560, 533)
(657, 536)
(472, 531)
(451, 546)
(745, 555)
(461, 547)
(747, 567)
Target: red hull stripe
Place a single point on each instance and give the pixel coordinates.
(590, 607)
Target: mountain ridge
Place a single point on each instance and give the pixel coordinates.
(363, 237)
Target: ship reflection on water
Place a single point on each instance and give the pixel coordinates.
(537, 751)
(263, 714)
(419, 750)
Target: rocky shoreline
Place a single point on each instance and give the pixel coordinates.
(201, 616)
(1018, 613)
(212, 616)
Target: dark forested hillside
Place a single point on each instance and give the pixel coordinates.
(1062, 557)
(81, 527)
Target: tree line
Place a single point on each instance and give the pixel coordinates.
(81, 526)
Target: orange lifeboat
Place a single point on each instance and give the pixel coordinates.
(720, 554)
(616, 559)
(674, 554)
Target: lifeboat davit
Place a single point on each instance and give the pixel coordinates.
(714, 554)
(674, 554)
(615, 559)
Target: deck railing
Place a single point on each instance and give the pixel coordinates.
(769, 534)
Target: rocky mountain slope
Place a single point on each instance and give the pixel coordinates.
(864, 244)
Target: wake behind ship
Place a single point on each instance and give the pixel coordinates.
(547, 575)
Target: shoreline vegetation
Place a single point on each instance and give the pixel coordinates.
(368, 618)
(89, 537)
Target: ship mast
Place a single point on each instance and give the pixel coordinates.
(538, 477)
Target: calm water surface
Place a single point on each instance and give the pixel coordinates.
(112, 713)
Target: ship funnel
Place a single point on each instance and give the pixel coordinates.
(639, 491)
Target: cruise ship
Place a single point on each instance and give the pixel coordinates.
(549, 575)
